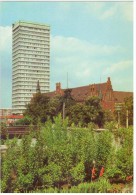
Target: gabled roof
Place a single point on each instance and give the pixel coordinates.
(121, 95)
(80, 93)
(101, 86)
(83, 92)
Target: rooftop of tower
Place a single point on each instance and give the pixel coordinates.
(30, 23)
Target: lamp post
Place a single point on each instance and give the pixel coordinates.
(63, 111)
(118, 107)
(126, 118)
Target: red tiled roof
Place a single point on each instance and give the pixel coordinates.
(83, 92)
(12, 117)
(121, 95)
(80, 93)
(50, 94)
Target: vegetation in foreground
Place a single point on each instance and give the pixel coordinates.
(62, 157)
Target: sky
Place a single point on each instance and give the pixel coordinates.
(89, 40)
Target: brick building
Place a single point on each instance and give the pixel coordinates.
(108, 96)
(10, 119)
(5, 111)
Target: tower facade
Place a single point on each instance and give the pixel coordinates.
(30, 62)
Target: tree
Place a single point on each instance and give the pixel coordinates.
(89, 111)
(66, 101)
(27, 120)
(103, 148)
(127, 107)
(38, 108)
(94, 112)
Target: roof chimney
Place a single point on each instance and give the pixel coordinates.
(108, 81)
(58, 88)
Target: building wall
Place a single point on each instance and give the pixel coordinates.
(30, 62)
(5, 111)
(104, 91)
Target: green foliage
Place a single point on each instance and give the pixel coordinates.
(88, 112)
(38, 108)
(91, 126)
(61, 155)
(110, 125)
(104, 148)
(78, 173)
(27, 120)
(128, 106)
(42, 107)
(3, 128)
(125, 152)
(108, 116)
(122, 156)
(101, 186)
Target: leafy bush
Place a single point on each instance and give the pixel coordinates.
(110, 125)
(64, 156)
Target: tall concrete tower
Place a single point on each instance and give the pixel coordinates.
(30, 62)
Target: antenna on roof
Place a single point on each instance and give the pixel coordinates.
(100, 92)
(67, 80)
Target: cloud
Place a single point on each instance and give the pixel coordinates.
(127, 11)
(5, 38)
(83, 60)
(107, 10)
(72, 46)
(120, 66)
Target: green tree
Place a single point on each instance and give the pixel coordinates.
(89, 111)
(66, 101)
(103, 148)
(38, 108)
(127, 106)
(76, 114)
(125, 152)
(27, 120)
(94, 112)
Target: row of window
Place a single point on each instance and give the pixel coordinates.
(41, 45)
(31, 32)
(31, 56)
(32, 82)
(44, 41)
(29, 51)
(27, 66)
(38, 64)
(45, 74)
(20, 82)
(17, 47)
(46, 34)
(29, 88)
(27, 41)
(28, 36)
(31, 69)
(25, 75)
(46, 29)
(37, 36)
(30, 60)
(23, 52)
